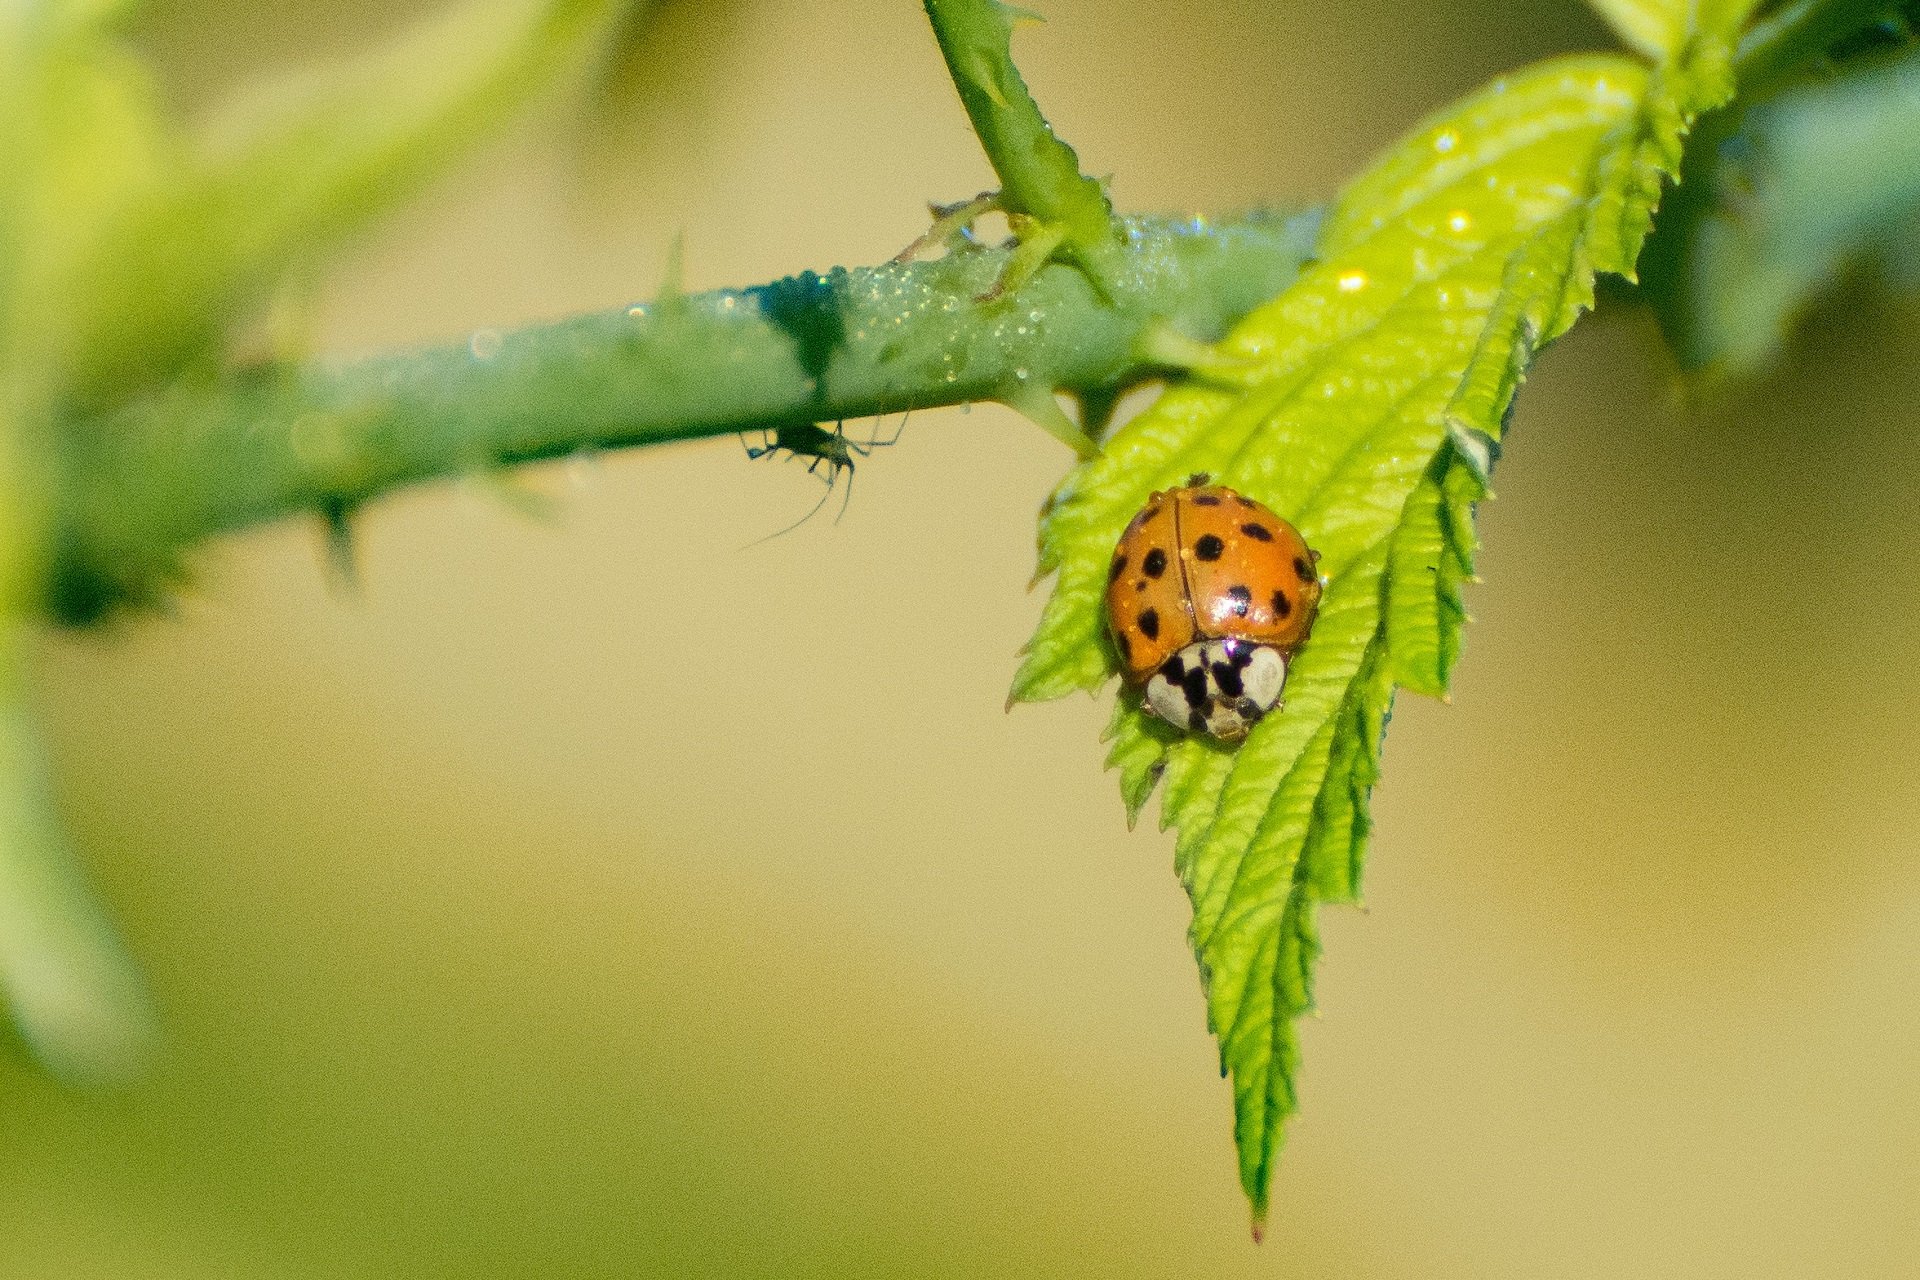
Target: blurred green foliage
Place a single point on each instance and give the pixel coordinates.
(1786, 192)
(131, 255)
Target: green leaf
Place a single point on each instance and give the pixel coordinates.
(1139, 757)
(1651, 27)
(279, 190)
(1821, 176)
(1660, 28)
(1365, 404)
(1431, 560)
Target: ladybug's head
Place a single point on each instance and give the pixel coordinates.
(1218, 687)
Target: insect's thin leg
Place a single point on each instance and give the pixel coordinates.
(895, 437)
(768, 444)
(811, 513)
(846, 497)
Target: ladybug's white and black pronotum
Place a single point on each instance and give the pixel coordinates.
(1209, 596)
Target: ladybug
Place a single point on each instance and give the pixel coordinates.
(1209, 595)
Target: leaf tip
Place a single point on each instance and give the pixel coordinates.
(1257, 1207)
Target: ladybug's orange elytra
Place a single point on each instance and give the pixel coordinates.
(1208, 596)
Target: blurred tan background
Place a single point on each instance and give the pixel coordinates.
(474, 968)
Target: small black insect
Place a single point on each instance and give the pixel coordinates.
(835, 449)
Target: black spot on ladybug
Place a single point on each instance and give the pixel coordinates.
(1149, 624)
(1209, 547)
(1173, 669)
(1124, 645)
(1227, 676)
(1197, 720)
(1206, 500)
(1119, 567)
(1281, 605)
(1241, 655)
(1196, 686)
(1258, 532)
(1245, 502)
(1303, 569)
(1242, 600)
(1155, 564)
(1139, 584)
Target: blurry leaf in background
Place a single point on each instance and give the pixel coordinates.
(78, 132)
(1646, 26)
(1661, 28)
(87, 16)
(1823, 176)
(84, 141)
(283, 181)
(126, 256)
(73, 992)
(661, 69)
(1366, 404)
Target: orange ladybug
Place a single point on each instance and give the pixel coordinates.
(1209, 595)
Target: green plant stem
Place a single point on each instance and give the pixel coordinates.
(1039, 174)
(145, 483)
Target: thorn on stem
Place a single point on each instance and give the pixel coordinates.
(1038, 406)
(1038, 241)
(673, 278)
(336, 513)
